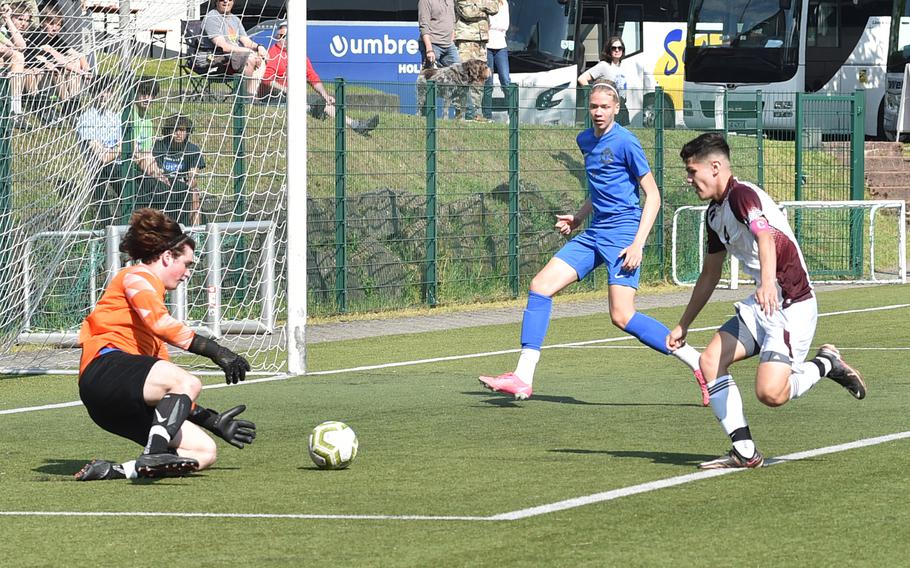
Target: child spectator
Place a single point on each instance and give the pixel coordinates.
(16, 19)
(180, 161)
(50, 61)
(144, 130)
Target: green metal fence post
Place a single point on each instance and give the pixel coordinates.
(512, 103)
(7, 276)
(857, 177)
(760, 137)
(726, 114)
(238, 173)
(341, 240)
(430, 276)
(585, 101)
(126, 181)
(659, 174)
(798, 163)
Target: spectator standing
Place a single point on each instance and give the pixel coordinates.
(226, 36)
(180, 161)
(436, 23)
(472, 29)
(327, 105)
(497, 56)
(610, 68)
(16, 19)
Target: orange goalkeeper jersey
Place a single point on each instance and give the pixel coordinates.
(132, 317)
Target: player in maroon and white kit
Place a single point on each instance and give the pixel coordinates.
(777, 322)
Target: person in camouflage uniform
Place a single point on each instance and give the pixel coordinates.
(472, 29)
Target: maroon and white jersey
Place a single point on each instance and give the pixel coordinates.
(730, 226)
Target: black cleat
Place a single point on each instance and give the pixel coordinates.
(164, 465)
(365, 127)
(97, 470)
(734, 460)
(317, 110)
(842, 373)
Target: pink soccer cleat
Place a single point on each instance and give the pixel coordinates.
(705, 397)
(509, 383)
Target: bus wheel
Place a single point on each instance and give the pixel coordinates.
(648, 114)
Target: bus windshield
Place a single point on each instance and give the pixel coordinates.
(743, 41)
(540, 34)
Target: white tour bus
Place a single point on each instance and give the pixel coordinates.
(783, 47)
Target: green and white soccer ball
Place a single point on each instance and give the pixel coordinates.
(332, 445)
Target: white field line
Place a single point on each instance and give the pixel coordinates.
(509, 516)
(441, 359)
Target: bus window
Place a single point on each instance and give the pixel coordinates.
(629, 21)
(592, 30)
(823, 24)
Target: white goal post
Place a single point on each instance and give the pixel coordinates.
(883, 236)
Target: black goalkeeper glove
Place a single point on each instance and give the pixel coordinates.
(233, 365)
(235, 432)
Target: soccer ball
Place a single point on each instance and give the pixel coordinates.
(332, 445)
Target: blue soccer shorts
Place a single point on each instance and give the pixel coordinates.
(600, 245)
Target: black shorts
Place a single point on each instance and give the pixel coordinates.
(111, 390)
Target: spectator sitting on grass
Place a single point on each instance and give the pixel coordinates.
(326, 106)
(275, 80)
(180, 161)
(100, 138)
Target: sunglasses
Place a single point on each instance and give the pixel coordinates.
(281, 36)
(617, 48)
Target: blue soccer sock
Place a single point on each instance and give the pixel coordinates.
(649, 331)
(536, 320)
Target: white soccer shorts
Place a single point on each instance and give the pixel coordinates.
(788, 331)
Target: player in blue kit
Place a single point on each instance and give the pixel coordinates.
(616, 166)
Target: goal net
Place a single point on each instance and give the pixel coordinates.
(122, 120)
(842, 241)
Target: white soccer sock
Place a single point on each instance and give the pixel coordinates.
(527, 362)
(129, 469)
(804, 378)
(688, 355)
(727, 405)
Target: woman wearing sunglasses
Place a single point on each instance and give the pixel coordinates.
(610, 68)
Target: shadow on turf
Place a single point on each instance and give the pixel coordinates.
(68, 468)
(655, 457)
(506, 400)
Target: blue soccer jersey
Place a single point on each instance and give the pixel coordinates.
(613, 165)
